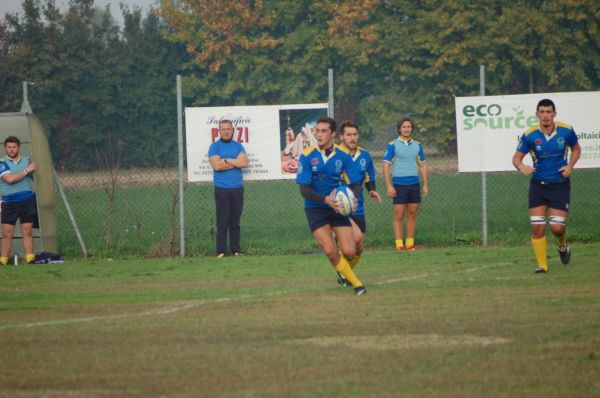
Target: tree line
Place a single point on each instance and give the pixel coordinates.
(98, 83)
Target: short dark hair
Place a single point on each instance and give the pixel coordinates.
(225, 121)
(347, 123)
(406, 119)
(331, 122)
(546, 102)
(13, 139)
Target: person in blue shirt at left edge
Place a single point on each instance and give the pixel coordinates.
(227, 158)
(550, 187)
(18, 199)
(320, 171)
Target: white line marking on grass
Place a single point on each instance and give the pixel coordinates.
(413, 277)
(487, 266)
(170, 309)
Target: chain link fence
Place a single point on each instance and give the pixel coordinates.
(136, 212)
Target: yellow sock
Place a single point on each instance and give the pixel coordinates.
(399, 244)
(343, 267)
(410, 242)
(561, 241)
(4, 260)
(29, 257)
(354, 261)
(539, 248)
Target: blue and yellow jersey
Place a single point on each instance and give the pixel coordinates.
(549, 152)
(231, 178)
(366, 170)
(324, 173)
(405, 157)
(20, 190)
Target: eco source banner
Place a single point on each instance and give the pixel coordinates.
(488, 128)
(273, 136)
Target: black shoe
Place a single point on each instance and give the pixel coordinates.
(565, 255)
(540, 271)
(359, 291)
(342, 281)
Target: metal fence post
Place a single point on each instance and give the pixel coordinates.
(484, 215)
(180, 168)
(70, 214)
(330, 105)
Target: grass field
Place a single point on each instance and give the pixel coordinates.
(444, 322)
(274, 221)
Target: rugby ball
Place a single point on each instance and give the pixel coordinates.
(345, 197)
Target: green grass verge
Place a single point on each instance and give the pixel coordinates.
(273, 221)
(448, 322)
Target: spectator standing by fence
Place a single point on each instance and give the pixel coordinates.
(404, 159)
(227, 158)
(550, 186)
(18, 199)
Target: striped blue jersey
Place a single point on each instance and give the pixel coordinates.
(366, 170)
(324, 173)
(20, 190)
(405, 157)
(549, 152)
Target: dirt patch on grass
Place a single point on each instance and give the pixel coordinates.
(402, 342)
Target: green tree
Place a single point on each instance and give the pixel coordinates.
(274, 51)
(433, 49)
(93, 80)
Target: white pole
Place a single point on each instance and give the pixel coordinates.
(25, 107)
(484, 215)
(70, 213)
(180, 171)
(330, 112)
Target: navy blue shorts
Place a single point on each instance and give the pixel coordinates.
(25, 211)
(554, 195)
(318, 217)
(361, 221)
(407, 194)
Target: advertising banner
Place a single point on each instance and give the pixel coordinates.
(273, 136)
(488, 128)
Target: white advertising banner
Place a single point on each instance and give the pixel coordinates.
(488, 128)
(272, 135)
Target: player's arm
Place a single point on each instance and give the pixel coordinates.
(517, 161)
(11, 178)
(387, 177)
(575, 154)
(370, 186)
(240, 162)
(370, 181)
(219, 164)
(308, 193)
(424, 177)
(423, 170)
(520, 153)
(387, 170)
(303, 179)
